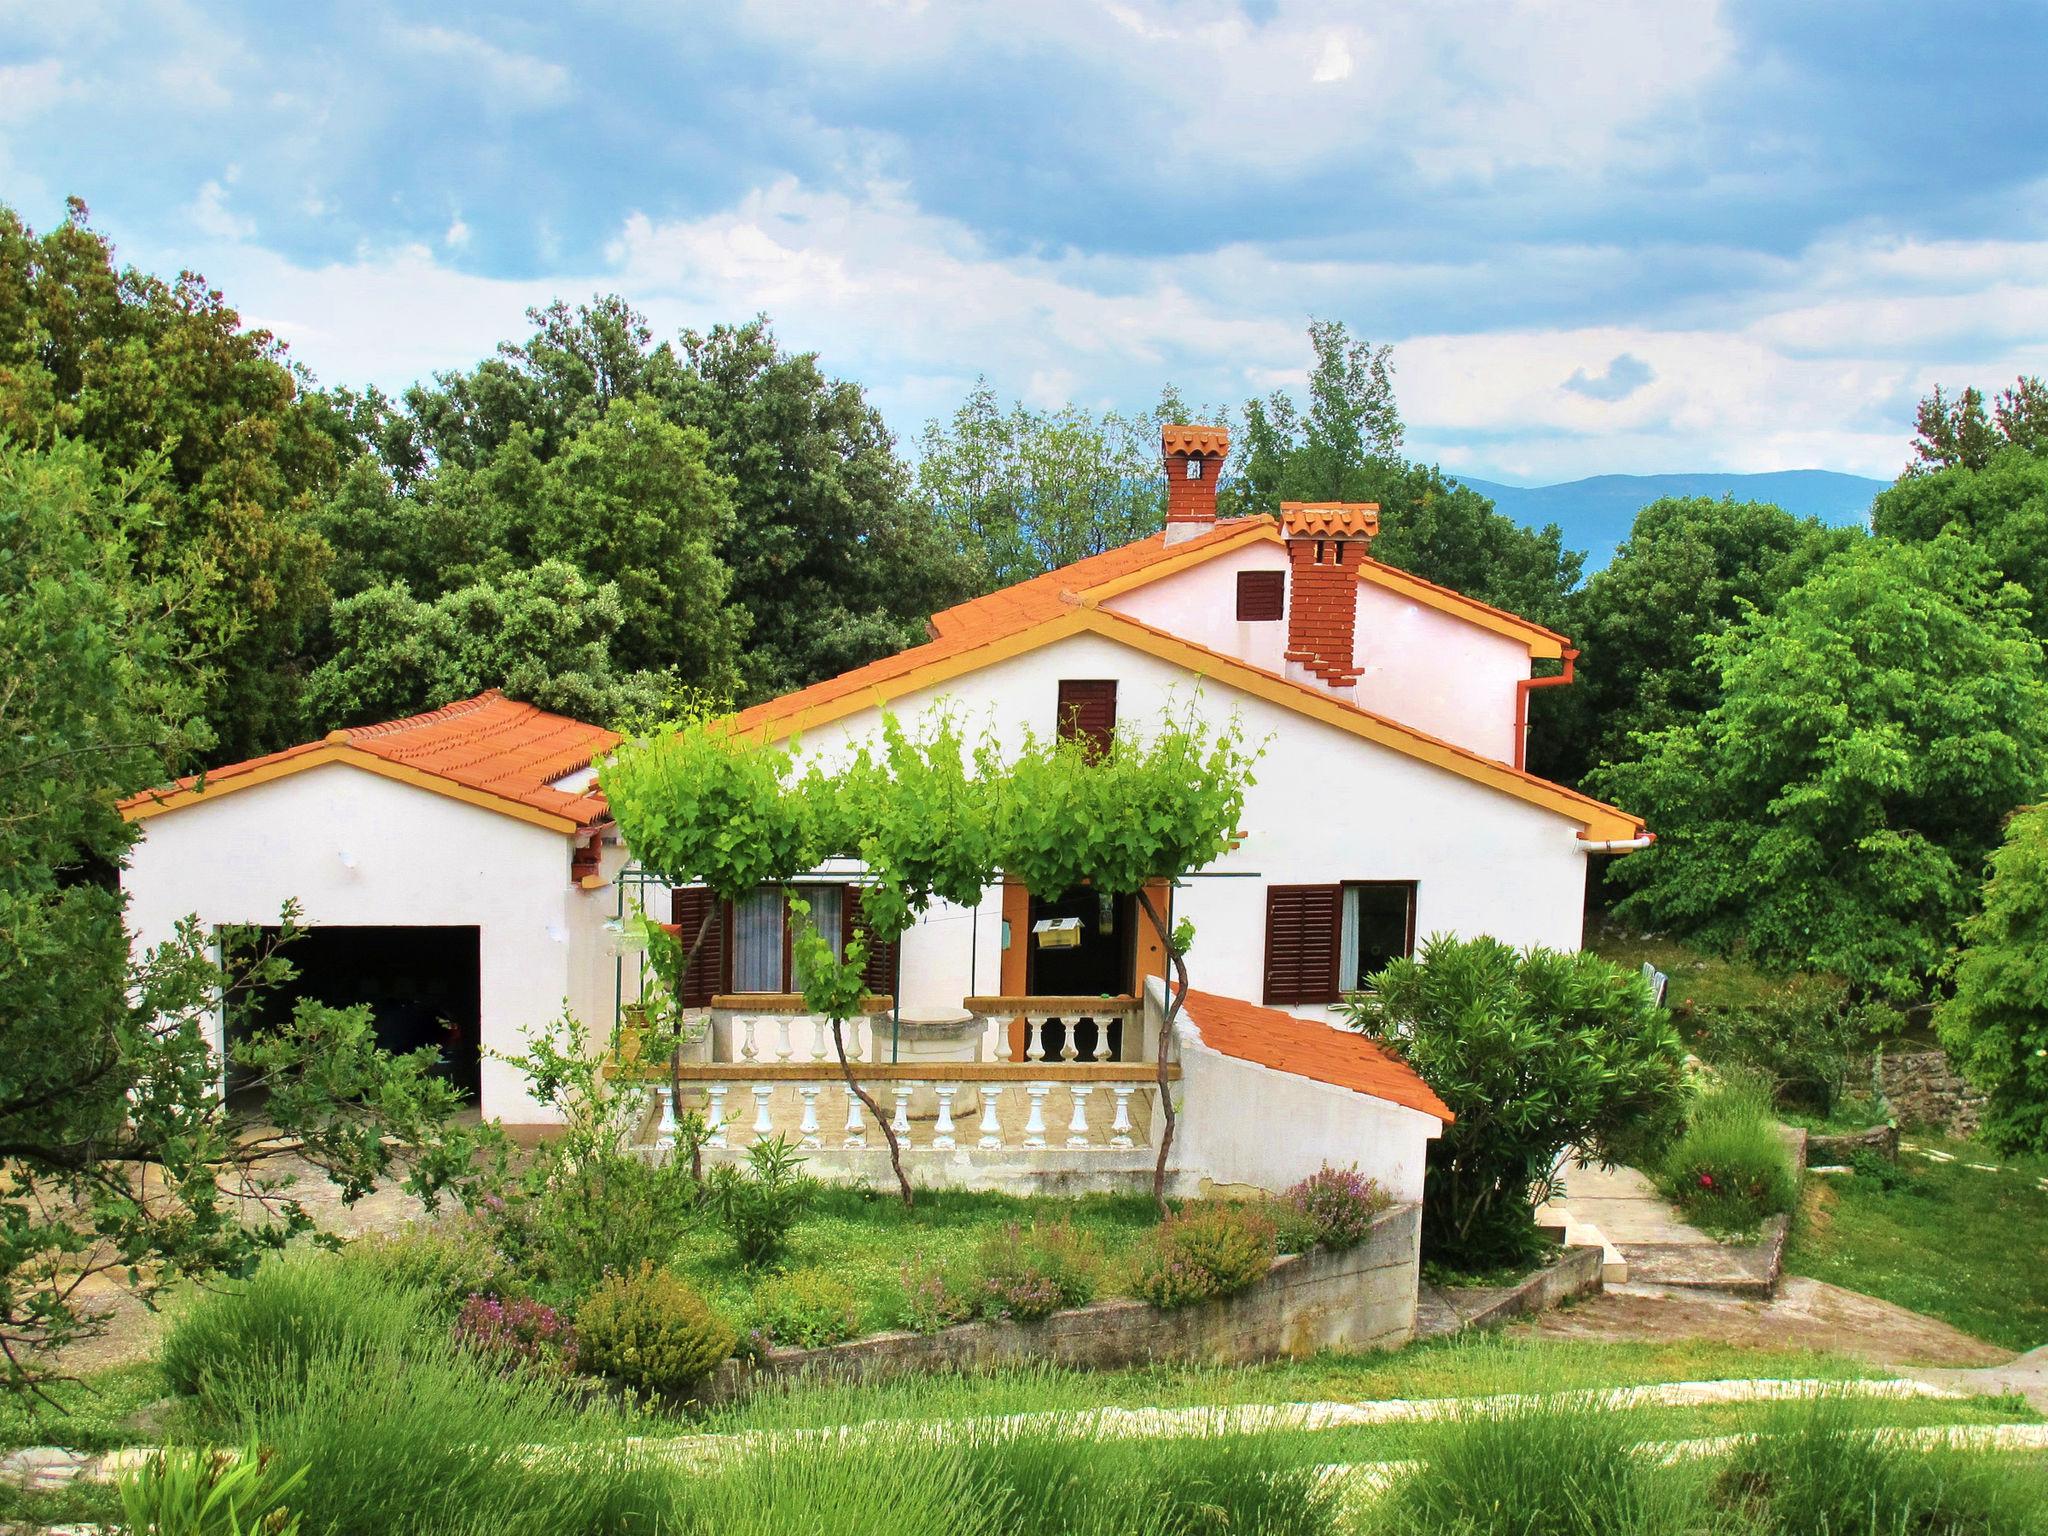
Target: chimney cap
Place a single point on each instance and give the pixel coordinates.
(1330, 519)
(1194, 440)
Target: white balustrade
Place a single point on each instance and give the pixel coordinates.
(764, 1123)
(1034, 1123)
(665, 1126)
(856, 1123)
(1077, 1127)
(942, 1128)
(714, 1116)
(991, 1122)
(1120, 1127)
(900, 1121)
(807, 1128)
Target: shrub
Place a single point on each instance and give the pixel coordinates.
(294, 1305)
(1204, 1253)
(1801, 1033)
(1336, 1207)
(613, 1211)
(935, 1296)
(760, 1203)
(184, 1491)
(1812, 1469)
(1533, 1052)
(517, 1333)
(1537, 1469)
(1026, 1273)
(1995, 1027)
(1731, 1167)
(806, 1308)
(649, 1331)
(448, 1263)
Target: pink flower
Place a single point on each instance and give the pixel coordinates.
(1706, 1181)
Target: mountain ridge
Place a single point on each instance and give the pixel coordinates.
(1596, 512)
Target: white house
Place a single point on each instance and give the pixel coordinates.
(1391, 803)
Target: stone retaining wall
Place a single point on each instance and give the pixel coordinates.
(1923, 1089)
(1361, 1299)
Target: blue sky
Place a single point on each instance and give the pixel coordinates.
(1605, 237)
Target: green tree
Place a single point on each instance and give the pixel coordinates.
(123, 1159)
(1156, 807)
(545, 635)
(1995, 1025)
(1024, 491)
(163, 377)
(1959, 433)
(1830, 811)
(1347, 447)
(2000, 505)
(1688, 569)
(1534, 1052)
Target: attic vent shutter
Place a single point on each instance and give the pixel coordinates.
(706, 978)
(1261, 595)
(879, 974)
(1087, 712)
(1301, 943)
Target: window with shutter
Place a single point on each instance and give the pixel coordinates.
(1261, 595)
(880, 972)
(1301, 943)
(706, 976)
(1087, 712)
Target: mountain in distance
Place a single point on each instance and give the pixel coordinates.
(1596, 513)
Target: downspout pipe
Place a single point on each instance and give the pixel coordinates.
(1616, 844)
(1522, 687)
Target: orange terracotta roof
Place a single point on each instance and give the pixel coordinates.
(1330, 519)
(1340, 1057)
(1182, 438)
(490, 750)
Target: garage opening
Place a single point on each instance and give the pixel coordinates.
(421, 985)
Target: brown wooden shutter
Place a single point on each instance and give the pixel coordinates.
(1087, 712)
(706, 977)
(1261, 595)
(880, 971)
(1301, 942)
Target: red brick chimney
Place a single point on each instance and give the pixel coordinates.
(1326, 540)
(1194, 459)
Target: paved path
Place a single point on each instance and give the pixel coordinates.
(1653, 1241)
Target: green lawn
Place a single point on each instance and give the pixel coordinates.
(866, 1238)
(1696, 977)
(88, 1415)
(1957, 1244)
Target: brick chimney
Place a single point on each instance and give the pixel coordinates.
(1326, 540)
(1194, 458)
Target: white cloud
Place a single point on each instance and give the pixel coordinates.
(1819, 369)
(210, 214)
(457, 235)
(514, 79)
(29, 89)
(1333, 63)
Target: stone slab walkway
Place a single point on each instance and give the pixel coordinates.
(1657, 1245)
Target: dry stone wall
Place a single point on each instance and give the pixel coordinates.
(1923, 1089)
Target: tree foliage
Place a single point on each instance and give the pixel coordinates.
(1999, 504)
(1534, 1052)
(122, 1156)
(1995, 1025)
(162, 379)
(1023, 491)
(1689, 568)
(1830, 811)
(1959, 433)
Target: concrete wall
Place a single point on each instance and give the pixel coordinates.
(1353, 1301)
(1246, 1127)
(418, 859)
(1328, 806)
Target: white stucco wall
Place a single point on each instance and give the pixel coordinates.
(1244, 1124)
(1200, 604)
(1423, 667)
(419, 859)
(1328, 806)
(1437, 673)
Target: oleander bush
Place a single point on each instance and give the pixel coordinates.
(295, 1305)
(805, 1309)
(1026, 1273)
(1203, 1253)
(1731, 1167)
(1335, 1207)
(649, 1331)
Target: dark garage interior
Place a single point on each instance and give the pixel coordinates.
(421, 985)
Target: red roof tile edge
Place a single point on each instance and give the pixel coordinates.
(1267, 1037)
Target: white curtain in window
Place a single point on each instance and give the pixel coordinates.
(827, 905)
(1348, 978)
(757, 942)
